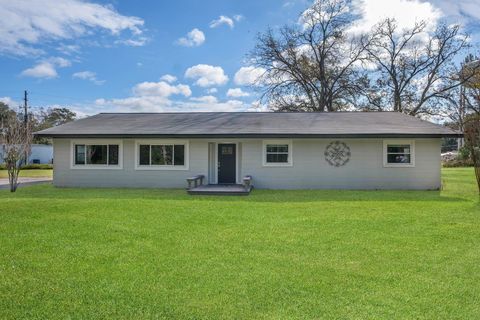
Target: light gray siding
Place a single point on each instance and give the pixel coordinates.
(309, 169)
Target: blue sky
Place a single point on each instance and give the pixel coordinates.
(182, 55)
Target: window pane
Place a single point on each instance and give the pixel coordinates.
(277, 158)
(144, 155)
(162, 155)
(80, 154)
(398, 158)
(404, 148)
(179, 155)
(97, 154)
(277, 147)
(113, 154)
(227, 150)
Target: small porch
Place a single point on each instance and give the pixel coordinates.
(196, 187)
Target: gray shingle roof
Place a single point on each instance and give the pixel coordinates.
(250, 124)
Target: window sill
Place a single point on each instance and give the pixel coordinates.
(400, 165)
(96, 167)
(161, 168)
(277, 165)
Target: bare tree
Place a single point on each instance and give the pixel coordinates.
(414, 67)
(16, 138)
(311, 66)
(472, 139)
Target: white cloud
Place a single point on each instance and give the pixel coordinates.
(9, 101)
(162, 104)
(194, 38)
(137, 42)
(258, 106)
(69, 49)
(88, 75)
(465, 11)
(161, 89)
(222, 20)
(237, 93)
(46, 68)
(212, 90)
(147, 97)
(248, 75)
(205, 99)
(406, 12)
(168, 78)
(238, 17)
(27, 24)
(42, 70)
(162, 97)
(206, 75)
(208, 106)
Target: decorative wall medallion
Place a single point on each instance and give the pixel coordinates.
(337, 153)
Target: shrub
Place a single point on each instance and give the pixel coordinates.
(463, 153)
(456, 163)
(32, 167)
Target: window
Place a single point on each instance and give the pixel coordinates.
(96, 154)
(277, 153)
(399, 153)
(161, 155)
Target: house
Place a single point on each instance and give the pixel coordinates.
(341, 150)
(39, 154)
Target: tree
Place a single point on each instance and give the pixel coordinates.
(5, 114)
(472, 139)
(16, 139)
(56, 116)
(50, 118)
(414, 68)
(312, 66)
(463, 101)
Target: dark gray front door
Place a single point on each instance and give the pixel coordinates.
(227, 155)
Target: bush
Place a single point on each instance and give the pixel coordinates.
(32, 167)
(456, 163)
(463, 153)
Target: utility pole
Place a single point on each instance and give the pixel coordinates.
(25, 106)
(25, 119)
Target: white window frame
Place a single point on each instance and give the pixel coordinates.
(107, 166)
(157, 166)
(277, 164)
(386, 143)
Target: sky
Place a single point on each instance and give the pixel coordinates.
(158, 56)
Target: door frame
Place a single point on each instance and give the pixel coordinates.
(236, 159)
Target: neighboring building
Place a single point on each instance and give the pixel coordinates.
(40, 154)
(341, 150)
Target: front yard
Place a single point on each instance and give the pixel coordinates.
(37, 173)
(95, 253)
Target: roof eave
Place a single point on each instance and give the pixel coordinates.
(255, 135)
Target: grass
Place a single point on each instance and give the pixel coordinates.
(112, 253)
(39, 173)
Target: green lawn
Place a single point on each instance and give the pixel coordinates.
(37, 173)
(92, 253)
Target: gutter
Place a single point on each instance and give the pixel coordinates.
(256, 135)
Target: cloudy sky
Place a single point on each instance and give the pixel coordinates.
(183, 55)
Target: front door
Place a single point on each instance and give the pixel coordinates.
(227, 156)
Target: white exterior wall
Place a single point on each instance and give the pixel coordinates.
(42, 152)
(309, 169)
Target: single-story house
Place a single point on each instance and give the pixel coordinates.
(39, 154)
(341, 150)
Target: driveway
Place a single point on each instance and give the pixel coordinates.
(24, 182)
